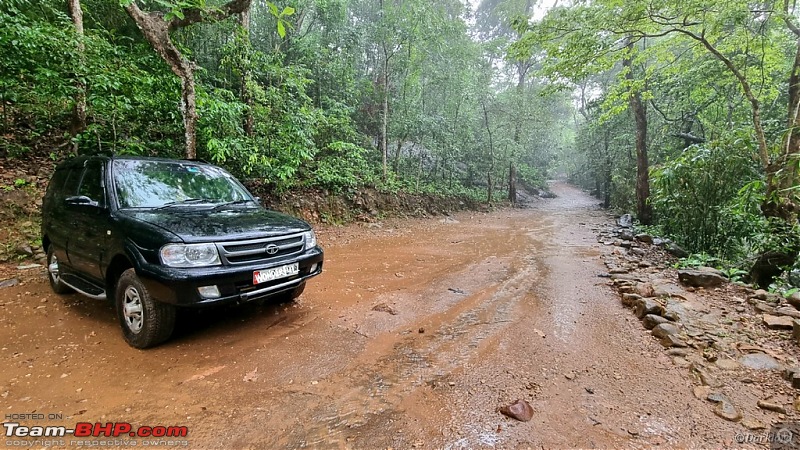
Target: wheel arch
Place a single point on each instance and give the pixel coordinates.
(118, 265)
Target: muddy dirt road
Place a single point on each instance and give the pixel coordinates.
(412, 338)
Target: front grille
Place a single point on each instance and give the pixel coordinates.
(256, 250)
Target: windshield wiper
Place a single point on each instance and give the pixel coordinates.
(235, 202)
(183, 202)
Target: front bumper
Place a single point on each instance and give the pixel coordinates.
(235, 283)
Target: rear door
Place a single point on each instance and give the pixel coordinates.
(57, 219)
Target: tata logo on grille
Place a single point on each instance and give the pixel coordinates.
(271, 249)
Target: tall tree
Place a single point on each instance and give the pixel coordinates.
(784, 174)
(748, 40)
(639, 109)
(246, 75)
(495, 18)
(78, 123)
(389, 46)
(156, 27)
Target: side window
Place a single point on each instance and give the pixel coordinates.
(71, 185)
(54, 187)
(92, 184)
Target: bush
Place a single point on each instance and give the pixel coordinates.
(342, 165)
(708, 197)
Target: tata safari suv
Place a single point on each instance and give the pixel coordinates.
(155, 234)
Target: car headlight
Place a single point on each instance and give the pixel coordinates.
(189, 255)
(311, 239)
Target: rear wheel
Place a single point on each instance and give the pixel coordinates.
(54, 273)
(145, 322)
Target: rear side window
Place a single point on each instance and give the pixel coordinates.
(71, 185)
(56, 184)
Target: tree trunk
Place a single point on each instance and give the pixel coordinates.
(189, 109)
(522, 71)
(419, 169)
(247, 78)
(512, 184)
(397, 152)
(384, 144)
(792, 149)
(79, 112)
(782, 174)
(607, 167)
(491, 154)
(489, 186)
(643, 208)
(156, 30)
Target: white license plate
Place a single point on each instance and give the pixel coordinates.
(262, 276)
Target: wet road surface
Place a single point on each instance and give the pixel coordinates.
(417, 332)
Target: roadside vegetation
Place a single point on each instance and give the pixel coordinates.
(688, 116)
(685, 114)
(330, 94)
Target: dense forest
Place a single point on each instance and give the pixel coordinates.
(333, 93)
(682, 112)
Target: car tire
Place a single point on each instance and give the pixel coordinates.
(289, 296)
(298, 291)
(54, 273)
(145, 321)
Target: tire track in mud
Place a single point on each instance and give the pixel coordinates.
(458, 327)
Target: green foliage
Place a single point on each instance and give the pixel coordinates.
(734, 273)
(130, 98)
(342, 165)
(778, 236)
(36, 60)
(697, 260)
(308, 74)
(707, 198)
(220, 132)
(531, 176)
(280, 17)
(129, 92)
(285, 117)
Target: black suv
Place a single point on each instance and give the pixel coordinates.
(155, 234)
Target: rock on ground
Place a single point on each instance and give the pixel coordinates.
(519, 410)
(701, 278)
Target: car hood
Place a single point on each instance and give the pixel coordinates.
(204, 225)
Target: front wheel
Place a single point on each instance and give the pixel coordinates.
(145, 322)
(293, 294)
(54, 273)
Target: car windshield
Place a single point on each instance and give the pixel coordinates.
(154, 184)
